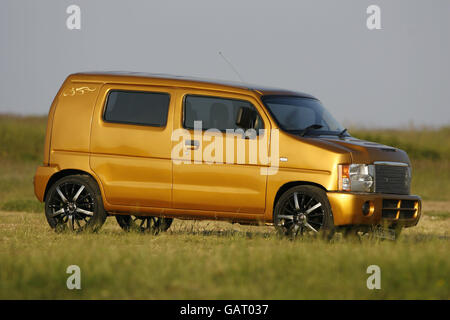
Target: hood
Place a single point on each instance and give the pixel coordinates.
(365, 151)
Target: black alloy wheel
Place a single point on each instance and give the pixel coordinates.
(74, 203)
(144, 224)
(304, 210)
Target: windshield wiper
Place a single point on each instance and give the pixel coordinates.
(308, 128)
(342, 133)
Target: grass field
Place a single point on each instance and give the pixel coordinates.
(215, 260)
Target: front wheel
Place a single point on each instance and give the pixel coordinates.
(153, 225)
(304, 210)
(74, 203)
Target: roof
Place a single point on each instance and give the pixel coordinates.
(187, 81)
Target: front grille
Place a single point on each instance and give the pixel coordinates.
(391, 179)
(399, 209)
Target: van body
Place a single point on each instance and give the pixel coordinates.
(139, 142)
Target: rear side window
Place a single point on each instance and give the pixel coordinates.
(137, 107)
(220, 113)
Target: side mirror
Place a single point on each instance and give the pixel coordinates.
(246, 118)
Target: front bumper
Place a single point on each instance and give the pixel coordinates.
(385, 209)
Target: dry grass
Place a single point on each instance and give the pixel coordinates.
(216, 260)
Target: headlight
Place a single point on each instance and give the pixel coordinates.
(408, 176)
(356, 177)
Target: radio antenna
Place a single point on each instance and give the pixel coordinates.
(232, 67)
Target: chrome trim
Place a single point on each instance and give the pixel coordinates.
(373, 175)
(391, 163)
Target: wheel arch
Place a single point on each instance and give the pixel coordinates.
(64, 173)
(291, 184)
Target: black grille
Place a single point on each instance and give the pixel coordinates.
(398, 209)
(390, 204)
(407, 214)
(408, 204)
(391, 179)
(389, 213)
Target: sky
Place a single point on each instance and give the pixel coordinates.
(396, 76)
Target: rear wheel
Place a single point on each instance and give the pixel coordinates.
(153, 225)
(74, 203)
(304, 210)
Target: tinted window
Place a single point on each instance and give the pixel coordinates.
(220, 113)
(297, 113)
(135, 107)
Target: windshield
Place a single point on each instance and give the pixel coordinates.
(298, 113)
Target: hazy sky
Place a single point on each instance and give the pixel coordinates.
(394, 76)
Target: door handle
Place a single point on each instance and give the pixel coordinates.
(192, 144)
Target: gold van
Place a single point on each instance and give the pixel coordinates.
(148, 148)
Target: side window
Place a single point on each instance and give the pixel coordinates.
(137, 107)
(220, 113)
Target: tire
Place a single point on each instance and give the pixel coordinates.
(303, 210)
(74, 203)
(144, 224)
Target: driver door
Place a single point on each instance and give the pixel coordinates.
(221, 176)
